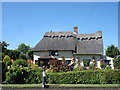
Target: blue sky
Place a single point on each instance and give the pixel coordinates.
(27, 22)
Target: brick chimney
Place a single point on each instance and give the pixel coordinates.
(76, 30)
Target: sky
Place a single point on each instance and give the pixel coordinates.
(27, 22)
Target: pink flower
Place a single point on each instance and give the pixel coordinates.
(20, 65)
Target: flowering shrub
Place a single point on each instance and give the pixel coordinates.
(16, 75)
(59, 66)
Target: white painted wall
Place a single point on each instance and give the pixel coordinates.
(66, 54)
(82, 57)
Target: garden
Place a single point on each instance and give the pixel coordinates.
(17, 68)
(19, 72)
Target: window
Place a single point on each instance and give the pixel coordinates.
(53, 53)
(68, 62)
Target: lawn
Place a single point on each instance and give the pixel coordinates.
(61, 85)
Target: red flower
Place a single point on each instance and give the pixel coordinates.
(46, 67)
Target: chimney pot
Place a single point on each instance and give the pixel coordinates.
(76, 30)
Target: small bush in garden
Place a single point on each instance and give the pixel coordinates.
(6, 59)
(19, 62)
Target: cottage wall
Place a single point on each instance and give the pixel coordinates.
(66, 54)
(82, 57)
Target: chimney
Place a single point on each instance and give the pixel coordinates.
(76, 30)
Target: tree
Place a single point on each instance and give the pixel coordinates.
(14, 54)
(3, 49)
(112, 51)
(30, 54)
(22, 48)
(22, 56)
(4, 45)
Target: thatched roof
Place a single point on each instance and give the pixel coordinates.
(80, 43)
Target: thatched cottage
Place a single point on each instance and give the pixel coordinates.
(70, 45)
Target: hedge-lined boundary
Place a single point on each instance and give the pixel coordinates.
(85, 77)
(34, 76)
(61, 85)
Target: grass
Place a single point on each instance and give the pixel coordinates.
(61, 85)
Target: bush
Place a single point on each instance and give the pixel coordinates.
(116, 62)
(19, 62)
(6, 59)
(8, 63)
(59, 66)
(16, 75)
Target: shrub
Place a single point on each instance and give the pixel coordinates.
(116, 62)
(6, 59)
(19, 62)
(8, 63)
(16, 75)
(59, 66)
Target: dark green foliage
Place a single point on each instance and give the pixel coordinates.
(8, 63)
(23, 48)
(35, 76)
(14, 54)
(19, 62)
(116, 62)
(86, 62)
(112, 51)
(4, 45)
(30, 55)
(22, 56)
(4, 70)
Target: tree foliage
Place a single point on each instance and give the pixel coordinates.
(30, 54)
(23, 48)
(112, 51)
(14, 54)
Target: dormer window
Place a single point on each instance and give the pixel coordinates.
(53, 53)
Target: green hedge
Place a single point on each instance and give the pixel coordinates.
(34, 76)
(85, 77)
